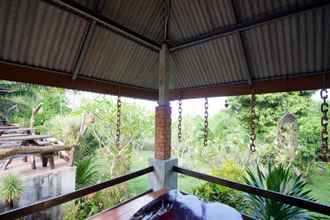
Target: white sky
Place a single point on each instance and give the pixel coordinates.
(189, 106)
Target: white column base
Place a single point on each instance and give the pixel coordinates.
(163, 176)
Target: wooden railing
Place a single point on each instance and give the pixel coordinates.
(58, 200)
(298, 202)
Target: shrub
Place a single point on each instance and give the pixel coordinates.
(211, 192)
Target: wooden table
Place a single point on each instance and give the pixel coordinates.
(8, 127)
(127, 210)
(24, 138)
(16, 130)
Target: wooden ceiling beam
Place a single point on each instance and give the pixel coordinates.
(28, 74)
(106, 22)
(306, 81)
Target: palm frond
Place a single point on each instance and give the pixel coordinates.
(279, 179)
(86, 172)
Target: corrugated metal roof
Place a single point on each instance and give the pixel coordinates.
(144, 17)
(218, 61)
(247, 9)
(298, 44)
(190, 18)
(141, 16)
(114, 58)
(38, 34)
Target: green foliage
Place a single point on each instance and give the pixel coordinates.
(270, 107)
(279, 179)
(135, 127)
(65, 128)
(11, 188)
(86, 172)
(109, 159)
(215, 193)
(17, 106)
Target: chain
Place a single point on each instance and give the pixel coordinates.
(324, 125)
(226, 103)
(206, 122)
(118, 123)
(253, 124)
(180, 120)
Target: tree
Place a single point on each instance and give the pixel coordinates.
(270, 107)
(17, 106)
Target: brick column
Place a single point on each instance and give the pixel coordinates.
(163, 132)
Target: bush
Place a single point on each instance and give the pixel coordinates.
(211, 192)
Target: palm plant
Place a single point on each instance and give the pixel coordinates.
(279, 179)
(11, 189)
(86, 173)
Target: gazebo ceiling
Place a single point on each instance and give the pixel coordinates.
(217, 47)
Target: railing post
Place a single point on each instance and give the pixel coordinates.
(163, 177)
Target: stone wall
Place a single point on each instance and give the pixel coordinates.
(39, 186)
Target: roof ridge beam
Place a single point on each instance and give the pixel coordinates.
(242, 43)
(110, 24)
(87, 40)
(244, 26)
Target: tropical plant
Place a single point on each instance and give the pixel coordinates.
(86, 172)
(11, 189)
(279, 179)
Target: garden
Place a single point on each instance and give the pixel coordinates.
(286, 157)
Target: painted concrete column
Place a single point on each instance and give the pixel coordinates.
(163, 111)
(163, 176)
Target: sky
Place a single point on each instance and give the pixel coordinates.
(189, 106)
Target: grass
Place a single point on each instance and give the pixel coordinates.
(320, 185)
(140, 160)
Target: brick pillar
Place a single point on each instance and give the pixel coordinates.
(163, 132)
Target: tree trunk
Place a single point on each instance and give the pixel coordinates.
(35, 110)
(7, 152)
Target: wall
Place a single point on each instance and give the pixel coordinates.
(45, 184)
